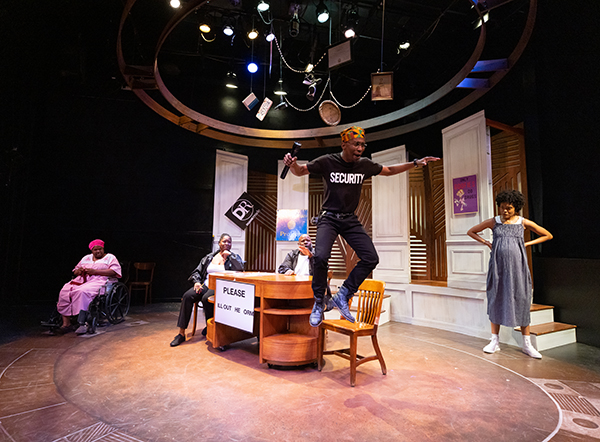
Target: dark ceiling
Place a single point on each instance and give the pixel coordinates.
(72, 45)
(194, 66)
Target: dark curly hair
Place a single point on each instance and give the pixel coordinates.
(513, 197)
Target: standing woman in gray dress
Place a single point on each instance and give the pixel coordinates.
(509, 281)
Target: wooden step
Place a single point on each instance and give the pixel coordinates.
(538, 307)
(549, 327)
(550, 335)
(541, 314)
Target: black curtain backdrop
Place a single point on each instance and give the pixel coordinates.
(82, 159)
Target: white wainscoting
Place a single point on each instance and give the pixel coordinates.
(446, 308)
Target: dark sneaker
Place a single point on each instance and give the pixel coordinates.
(178, 340)
(204, 330)
(340, 299)
(316, 316)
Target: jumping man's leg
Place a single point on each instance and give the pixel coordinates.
(327, 232)
(357, 238)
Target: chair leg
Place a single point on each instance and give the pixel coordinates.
(194, 317)
(150, 293)
(320, 348)
(353, 351)
(379, 354)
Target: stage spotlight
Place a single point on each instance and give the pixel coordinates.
(270, 34)
(322, 12)
(252, 67)
(253, 34)
(175, 4)
(294, 25)
(351, 20)
(205, 26)
(231, 81)
(228, 30)
(263, 6)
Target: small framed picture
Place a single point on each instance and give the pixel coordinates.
(382, 86)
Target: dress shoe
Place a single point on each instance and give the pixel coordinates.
(316, 316)
(340, 299)
(204, 330)
(63, 330)
(178, 340)
(81, 330)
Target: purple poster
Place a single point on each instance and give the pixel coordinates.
(464, 195)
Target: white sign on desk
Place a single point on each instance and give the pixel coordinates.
(234, 304)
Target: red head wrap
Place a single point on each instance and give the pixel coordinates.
(96, 242)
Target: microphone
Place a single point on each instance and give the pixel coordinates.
(295, 149)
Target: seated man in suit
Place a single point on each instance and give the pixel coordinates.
(300, 262)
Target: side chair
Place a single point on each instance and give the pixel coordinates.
(370, 299)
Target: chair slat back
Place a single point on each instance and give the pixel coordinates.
(144, 271)
(370, 299)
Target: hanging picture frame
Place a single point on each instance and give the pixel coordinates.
(382, 86)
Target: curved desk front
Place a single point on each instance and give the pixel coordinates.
(281, 310)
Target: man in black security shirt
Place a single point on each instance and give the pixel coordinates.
(343, 174)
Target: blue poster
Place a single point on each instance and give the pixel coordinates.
(291, 223)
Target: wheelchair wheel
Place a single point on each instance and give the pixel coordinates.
(117, 303)
(92, 325)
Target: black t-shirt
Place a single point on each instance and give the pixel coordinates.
(343, 181)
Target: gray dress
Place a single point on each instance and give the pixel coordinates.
(508, 279)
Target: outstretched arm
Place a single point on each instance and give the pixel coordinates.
(296, 169)
(543, 234)
(403, 167)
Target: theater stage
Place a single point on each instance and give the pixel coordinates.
(126, 384)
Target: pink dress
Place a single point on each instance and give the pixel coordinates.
(76, 296)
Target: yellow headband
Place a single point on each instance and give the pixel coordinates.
(352, 132)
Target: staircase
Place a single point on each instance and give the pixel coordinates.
(545, 333)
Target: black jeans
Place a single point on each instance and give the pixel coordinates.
(187, 304)
(350, 228)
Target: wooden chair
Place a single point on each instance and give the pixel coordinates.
(144, 274)
(370, 298)
(195, 313)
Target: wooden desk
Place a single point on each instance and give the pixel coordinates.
(282, 307)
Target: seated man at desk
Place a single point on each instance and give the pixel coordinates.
(219, 261)
(299, 261)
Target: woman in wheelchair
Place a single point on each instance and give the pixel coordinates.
(91, 274)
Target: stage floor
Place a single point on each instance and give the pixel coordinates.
(127, 384)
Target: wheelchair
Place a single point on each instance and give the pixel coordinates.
(109, 307)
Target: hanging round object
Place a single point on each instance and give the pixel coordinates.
(330, 113)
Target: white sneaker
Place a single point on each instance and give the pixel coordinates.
(530, 351)
(81, 330)
(492, 347)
